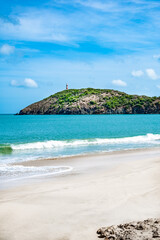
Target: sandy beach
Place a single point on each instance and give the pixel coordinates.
(101, 190)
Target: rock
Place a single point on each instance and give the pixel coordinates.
(144, 230)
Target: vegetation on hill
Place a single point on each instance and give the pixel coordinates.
(94, 101)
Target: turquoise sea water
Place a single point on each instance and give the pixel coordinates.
(24, 138)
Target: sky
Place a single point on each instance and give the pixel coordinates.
(45, 44)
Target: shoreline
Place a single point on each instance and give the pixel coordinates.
(76, 164)
(90, 154)
(102, 190)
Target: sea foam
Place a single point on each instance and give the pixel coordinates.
(13, 172)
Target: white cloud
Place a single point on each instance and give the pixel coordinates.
(152, 74)
(28, 83)
(119, 82)
(51, 25)
(14, 83)
(109, 7)
(48, 27)
(134, 6)
(156, 56)
(137, 73)
(7, 49)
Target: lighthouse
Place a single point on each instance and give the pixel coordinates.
(67, 86)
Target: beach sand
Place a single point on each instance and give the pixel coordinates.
(101, 190)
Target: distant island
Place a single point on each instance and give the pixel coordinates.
(93, 101)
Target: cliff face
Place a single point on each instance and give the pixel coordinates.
(94, 101)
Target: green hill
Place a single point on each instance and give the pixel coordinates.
(94, 101)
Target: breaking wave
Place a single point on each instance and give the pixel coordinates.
(148, 138)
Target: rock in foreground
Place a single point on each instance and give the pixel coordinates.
(144, 230)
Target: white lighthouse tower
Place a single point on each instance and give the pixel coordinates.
(67, 86)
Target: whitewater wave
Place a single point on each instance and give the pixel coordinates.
(148, 138)
(12, 172)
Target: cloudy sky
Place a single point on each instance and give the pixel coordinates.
(86, 43)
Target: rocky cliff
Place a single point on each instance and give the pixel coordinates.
(94, 101)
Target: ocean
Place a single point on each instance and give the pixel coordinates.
(24, 138)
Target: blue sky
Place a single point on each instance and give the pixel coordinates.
(91, 43)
